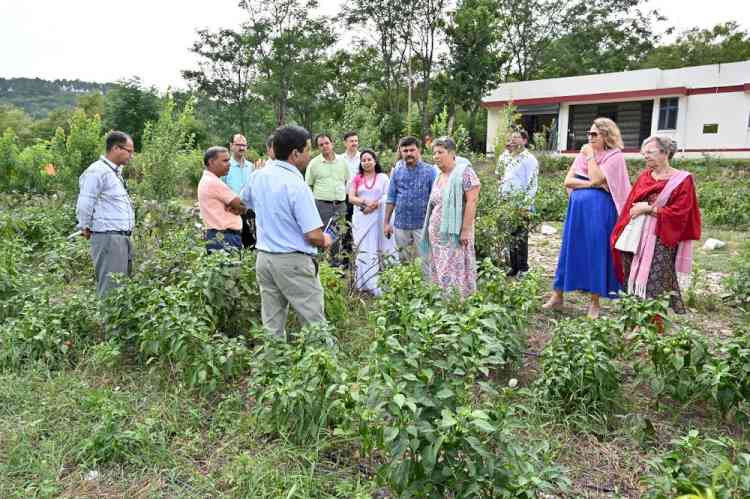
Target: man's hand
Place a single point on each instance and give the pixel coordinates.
(387, 230)
(327, 241)
(86, 233)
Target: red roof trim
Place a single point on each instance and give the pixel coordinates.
(628, 94)
(717, 90)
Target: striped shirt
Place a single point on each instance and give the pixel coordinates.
(103, 202)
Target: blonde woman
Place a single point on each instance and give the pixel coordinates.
(598, 185)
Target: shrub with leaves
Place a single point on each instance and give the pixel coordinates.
(676, 362)
(297, 385)
(697, 467)
(739, 280)
(726, 376)
(578, 370)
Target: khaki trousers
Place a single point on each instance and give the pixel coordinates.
(288, 279)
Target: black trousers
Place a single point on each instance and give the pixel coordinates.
(348, 241)
(519, 251)
(248, 229)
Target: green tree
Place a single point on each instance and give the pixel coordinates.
(128, 106)
(602, 37)
(74, 151)
(474, 61)
(290, 47)
(9, 151)
(227, 72)
(695, 47)
(164, 142)
(45, 128)
(17, 120)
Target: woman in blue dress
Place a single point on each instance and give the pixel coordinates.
(598, 185)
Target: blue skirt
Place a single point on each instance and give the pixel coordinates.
(585, 262)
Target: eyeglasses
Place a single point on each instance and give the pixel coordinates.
(130, 151)
(239, 145)
(593, 134)
(650, 152)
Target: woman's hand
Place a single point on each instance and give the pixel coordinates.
(639, 208)
(587, 150)
(465, 237)
(369, 207)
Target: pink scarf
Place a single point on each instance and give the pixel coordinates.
(612, 163)
(644, 255)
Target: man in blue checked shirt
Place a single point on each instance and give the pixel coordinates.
(105, 213)
(240, 169)
(408, 193)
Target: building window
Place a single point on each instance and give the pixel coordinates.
(711, 128)
(668, 113)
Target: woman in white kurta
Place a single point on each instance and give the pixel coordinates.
(367, 193)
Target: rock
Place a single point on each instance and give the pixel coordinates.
(548, 230)
(91, 475)
(713, 244)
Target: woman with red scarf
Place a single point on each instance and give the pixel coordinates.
(666, 197)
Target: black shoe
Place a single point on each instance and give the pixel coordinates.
(511, 273)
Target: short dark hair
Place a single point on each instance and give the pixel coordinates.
(523, 133)
(288, 138)
(409, 140)
(350, 133)
(116, 138)
(378, 168)
(212, 152)
(320, 135)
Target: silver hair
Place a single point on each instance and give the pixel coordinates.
(212, 152)
(667, 145)
(445, 142)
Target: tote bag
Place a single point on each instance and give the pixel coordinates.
(631, 235)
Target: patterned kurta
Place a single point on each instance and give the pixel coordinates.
(452, 266)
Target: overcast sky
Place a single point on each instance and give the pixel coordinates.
(95, 41)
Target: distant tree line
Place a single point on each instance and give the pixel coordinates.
(385, 67)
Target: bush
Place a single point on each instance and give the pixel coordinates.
(704, 467)
(578, 371)
(298, 385)
(738, 281)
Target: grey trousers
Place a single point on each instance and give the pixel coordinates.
(407, 243)
(112, 253)
(326, 211)
(288, 279)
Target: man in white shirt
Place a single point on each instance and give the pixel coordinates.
(351, 156)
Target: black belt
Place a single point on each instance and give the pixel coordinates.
(119, 232)
(285, 253)
(231, 231)
(330, 202)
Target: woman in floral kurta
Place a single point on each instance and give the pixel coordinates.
(451, 256)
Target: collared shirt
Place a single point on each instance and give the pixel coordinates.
(328, 179)
(238, 175)
(213, 198)
(520, 174)
(103, 202)
(353, 163)
(410, 190)
(284, 208)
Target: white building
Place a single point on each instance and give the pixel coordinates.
(705, 108)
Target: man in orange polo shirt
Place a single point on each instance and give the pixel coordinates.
(220, 206)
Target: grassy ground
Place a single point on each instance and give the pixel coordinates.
(160, 440)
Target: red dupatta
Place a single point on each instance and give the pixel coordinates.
(677, 221)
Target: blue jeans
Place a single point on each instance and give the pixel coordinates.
(223, 240)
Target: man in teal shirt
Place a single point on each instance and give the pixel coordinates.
(239, 173)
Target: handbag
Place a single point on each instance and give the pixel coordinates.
(631, 235)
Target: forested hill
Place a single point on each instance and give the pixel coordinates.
(38, 97)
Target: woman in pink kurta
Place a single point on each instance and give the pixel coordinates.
(448, 244)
